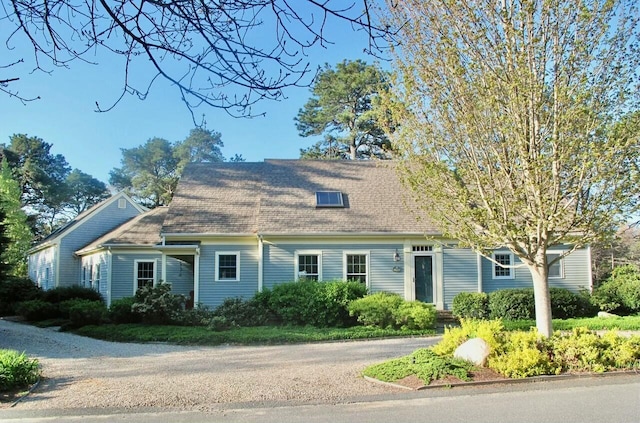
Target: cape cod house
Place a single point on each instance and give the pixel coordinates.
(233, 229)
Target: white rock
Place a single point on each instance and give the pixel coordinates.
(475, 350)
(606, 315)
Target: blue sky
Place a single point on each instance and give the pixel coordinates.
(91, 141)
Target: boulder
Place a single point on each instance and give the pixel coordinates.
(475, 350)
(606, 315)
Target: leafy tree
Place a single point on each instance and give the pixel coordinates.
(622, 249)
(343, 109)
(84, 191)
(151, 171)
(509, 115)
(5, 267)
(14, 223)
(220, 54)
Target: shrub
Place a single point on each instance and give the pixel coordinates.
(157, 305)
(415, 315)
(471, 305)
(37, 310)
(236, 312)
(15, 290)
(491, 331)
(566, 304)
(121, 311)
(319, 304)
(84, 312)
(512, 304)
(64, 293)
(620, 293)
(376, 309)
(17, 370)
(197, 316)
(524, 354)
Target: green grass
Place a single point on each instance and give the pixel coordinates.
(592, 323)
(262, 335)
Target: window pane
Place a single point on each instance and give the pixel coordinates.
(357, 267)
(554, 269)
(145, 274)
(502, 259)
(227, 266)
(308, 267)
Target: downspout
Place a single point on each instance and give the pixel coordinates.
(260, 261)
(196, 277)
(109, 271)
(590, 268)
(479, 270)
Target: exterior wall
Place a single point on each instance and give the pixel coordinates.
(211, 292)
(85, 231)
(91, 279)
(279, 263)
(460, 273)
(123, 272)
(575, 276)
(42, 270)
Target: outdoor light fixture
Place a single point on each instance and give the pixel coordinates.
(396, 256)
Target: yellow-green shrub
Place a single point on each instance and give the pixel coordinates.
(489, 330)
(525, 354)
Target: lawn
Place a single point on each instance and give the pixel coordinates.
(261, 335)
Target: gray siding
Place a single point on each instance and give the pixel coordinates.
(42, 268)
(122, 272)
(86, 231)
(212, 293)
(279, 264)
(460, 273)
(576, 274)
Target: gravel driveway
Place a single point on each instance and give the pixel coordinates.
(82, 372)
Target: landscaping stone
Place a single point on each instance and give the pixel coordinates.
(475, 350)
(606, 315)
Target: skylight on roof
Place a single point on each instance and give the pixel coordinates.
(329, 199)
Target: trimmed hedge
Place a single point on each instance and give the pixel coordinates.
(471, 305)
(387, 310)
(620, 293)
(64, 293)
(121, 311)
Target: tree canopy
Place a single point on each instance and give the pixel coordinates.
(224, 54)
(515, 122)
(343, 109)
(150, 172)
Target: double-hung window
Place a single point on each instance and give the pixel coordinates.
(356, 267)
(501, 265)
(145, 273)
(556, 270)
(309, 265)
(227, 266)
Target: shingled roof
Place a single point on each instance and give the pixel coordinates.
(142, 230)
(279, 197)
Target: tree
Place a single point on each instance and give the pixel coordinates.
(212, 52)
(509, 122)
(14, 223)
(343, 108)
(84, 191)
(151, 171)
(621, 250)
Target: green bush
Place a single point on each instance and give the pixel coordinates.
(236, 312)
(524, 354)
(376, 309)
(492, 331)
(568, 305)
(620, 293)
(319, 304)
(197, 316)
(512, 304)
(17, 370)
(121, 311)
(37, 310)
(471, 305)
(157, 305)
(14, 290)
(415, 315)
(64, 293)
(82, 312)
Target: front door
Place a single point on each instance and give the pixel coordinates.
(424, 278)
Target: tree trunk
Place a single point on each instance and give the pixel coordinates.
(542, 299)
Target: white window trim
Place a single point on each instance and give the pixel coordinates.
(135, 273)
(367, 253)
(560, 262)
(217, 266)
(512, 273)
(299, 253)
